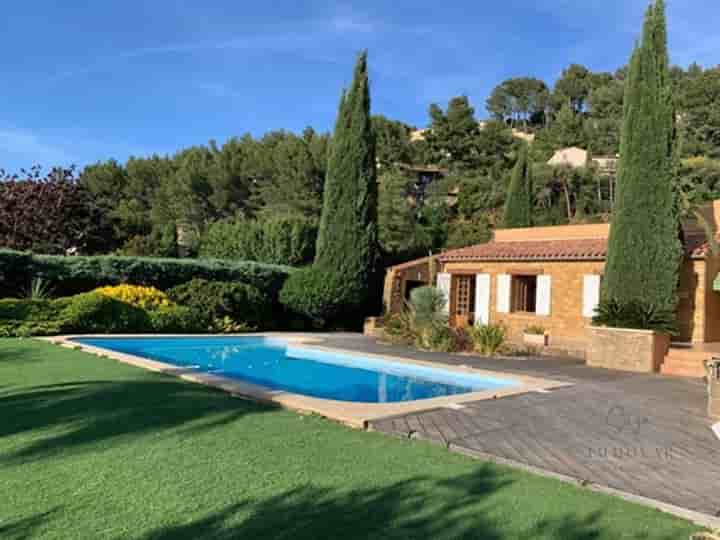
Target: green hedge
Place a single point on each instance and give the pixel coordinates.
(72, 275)
(325, 298)
(213, 300)
(283, 240)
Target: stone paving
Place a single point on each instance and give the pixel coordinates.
(646, 435)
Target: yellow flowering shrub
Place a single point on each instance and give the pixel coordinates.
(148, 298)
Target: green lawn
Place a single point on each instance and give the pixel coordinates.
(90, 448)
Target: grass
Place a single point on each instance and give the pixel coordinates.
(90, 448)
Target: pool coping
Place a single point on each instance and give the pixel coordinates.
(354, 414)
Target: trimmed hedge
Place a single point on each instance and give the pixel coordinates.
(215, 300)
(72, 275)
(279, 240)
(326, 298)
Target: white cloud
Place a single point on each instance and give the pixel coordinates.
(26, 145)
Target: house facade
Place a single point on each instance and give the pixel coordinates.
(550, 277)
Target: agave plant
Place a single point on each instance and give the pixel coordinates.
(39, 289)
(426, 307)
(636, 315)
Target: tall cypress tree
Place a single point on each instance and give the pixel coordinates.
(518, 203)
(347, 239)
(644, 248)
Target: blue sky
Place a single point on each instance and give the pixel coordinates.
(92, 80)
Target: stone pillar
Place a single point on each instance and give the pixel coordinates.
(714, 389)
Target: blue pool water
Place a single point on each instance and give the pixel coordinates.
(276, 364)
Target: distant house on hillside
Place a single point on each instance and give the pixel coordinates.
(576, 157)
(572, 157)
(519, 134)
(420, 134)
(417, 135)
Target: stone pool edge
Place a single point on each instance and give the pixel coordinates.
(353, 414)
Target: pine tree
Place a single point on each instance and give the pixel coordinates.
(518, 204)
(644, 248)
(567, 129)
(397, 220)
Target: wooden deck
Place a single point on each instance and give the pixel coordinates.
(645, 435)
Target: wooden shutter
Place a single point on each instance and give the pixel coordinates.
(443, 285)
(503, 293)
(544, 295)
(482, 299)
(591, 295)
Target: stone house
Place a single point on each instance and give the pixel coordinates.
(550, 277)
(575, 158)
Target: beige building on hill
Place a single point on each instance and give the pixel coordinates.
(550, 277)
(576, 157)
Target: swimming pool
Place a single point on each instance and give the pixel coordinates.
(281, 365)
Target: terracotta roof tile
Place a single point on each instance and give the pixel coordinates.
(562, 250)
(588, 249)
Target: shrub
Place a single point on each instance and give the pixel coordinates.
(227, 325)
(427, 307)
(535, 330)
(211, 300)
(147, 298)
(398, 328)
(97, 313)
(423, 323)
(176, 319)
(277, 240)
(26, 317)
(487, 339)
(322, 296)
(637, 315)
(71, 275)
(438, 338)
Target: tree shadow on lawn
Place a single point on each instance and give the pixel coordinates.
(89, 412)
(24, 528)
(402, 510)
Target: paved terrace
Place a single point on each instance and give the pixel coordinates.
(642, 434)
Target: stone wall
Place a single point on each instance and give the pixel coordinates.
(627, 350)
(714, 400)
(714, 394)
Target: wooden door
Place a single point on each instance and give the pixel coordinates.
(463, 313)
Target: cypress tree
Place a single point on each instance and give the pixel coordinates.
(644, 249)
(347, 239)
(518, 203)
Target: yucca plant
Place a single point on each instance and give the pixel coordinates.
(427, 307)
(636, 315)
(39, 289)
(487, 339)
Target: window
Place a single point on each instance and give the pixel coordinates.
(524, 294)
